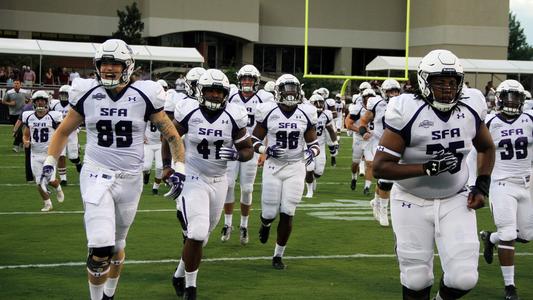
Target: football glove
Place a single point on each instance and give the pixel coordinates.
(442, 161)
(275, 151)
(309, 156)
(46, 176)
(227, 153)
(176, 182)
(334, 149)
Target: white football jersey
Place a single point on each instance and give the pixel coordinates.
(324, 119)
(514, 143)
(174, 99)
(206, 134)
(427, 131)
(152, 134)
(116, 125)
(356, 111)
(528, 105)
(287, 129)
(377, 106)
(56, 105)
(250, 104)
(339, 107)
(41, 129)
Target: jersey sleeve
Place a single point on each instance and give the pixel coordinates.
(25, 116)
(399, 112)
(79, 91)
(311, 113)
(330, 102)
(240, 115)
(474, 99)
(262, 111)
(329, 116)
(265, 96)
(186, 107)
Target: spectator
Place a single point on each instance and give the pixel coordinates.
(15, 99)
(29, 76)
(63, 77)
(3, 74)
(49, 77)
(73, 75)
(92, 75)
(488, 87)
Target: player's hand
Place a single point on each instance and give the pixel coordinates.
(334, 149)
(309, 156)
(275, 151)
(261, 160)
(476, 199)
(46, 176)
(367, 135)
(227, 153)
(167, 172)
(26, 144)
(442, 161)
(176, 182)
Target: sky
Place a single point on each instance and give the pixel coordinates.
(523, 10)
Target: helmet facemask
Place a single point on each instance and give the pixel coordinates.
(443, 90)
(510, 102)
(40, 105)
(111, 82)
(63, 97)
(288, 93)
(250, 85)
(213, 97)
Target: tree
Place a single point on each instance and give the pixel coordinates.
(130, 25)
(518, 48)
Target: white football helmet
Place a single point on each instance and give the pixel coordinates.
(192, 78)
(318, 101)
(287, 90)
(364, 85)
(40, 95)
(510, 97)
(114, 51)
(269, 86)
(389, 85)
(368, 93)
(63, 93)
(324, 92)
(181, 85)
(248, 71)
(440, 63)
(213, 79)
(163, 83)
(528, 95)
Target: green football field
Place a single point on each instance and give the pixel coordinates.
(336, 251)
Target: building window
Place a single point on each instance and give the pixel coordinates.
(287, 59)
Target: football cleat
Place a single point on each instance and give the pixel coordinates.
(383, 216)
(155, 191)
(179, 285)
(244, 235)
(63, 183)
(375, 208)
(190, 293)
(106, 297)
(510, 293)
(60, 196)
(46, 208)
(366, 191)
(488, 251)
(353, 184)
(277, 263)
(226, 233)
(264, 231)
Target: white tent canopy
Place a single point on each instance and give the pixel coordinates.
(76, 49)
(490, 66)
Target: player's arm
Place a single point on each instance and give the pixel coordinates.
(7, 101)
(170, 134)
(363, 124)
(166, 154)
(26, 136)
(485, 163)
(72, 121)
(243, 144)
(332, 132)
(258, 136)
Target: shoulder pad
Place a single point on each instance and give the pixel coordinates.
(78, 89)
(153, 90)
(56, 115)
(265, 96)
(238, 113)
(262, 110)
(26, 115)
(184, 108)
(310, 111)
(475, 99)
(401, 109)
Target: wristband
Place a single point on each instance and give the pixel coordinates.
(261, 149)
(167, 163)
(362, 130)
(179, 167)
(483, 184)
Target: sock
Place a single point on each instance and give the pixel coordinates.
(190, 278)
(155, 186)
(383, 202)
(494, 238)
(368, 183)
(244, 221)
(309, 187)
(508, 275)
(354, 176)
(228, 219)
(48, 202)
(110, 286)
(62, 174)
(279, 250)
(96, 291)
(315, 183)
(180, 270)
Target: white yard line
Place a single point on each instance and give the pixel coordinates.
(249, 258)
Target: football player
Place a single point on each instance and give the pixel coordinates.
(360, 145)
(115, 113)
(185, 89)
(290, 129)
(330, 105)
(422, 149)
(248, 96)
(375, 114)
(216, 133)
(340, 108)
(511, 205)
(39, 126)
(528, 102)
(72, 148)
(324, 123)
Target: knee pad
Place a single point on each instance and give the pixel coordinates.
(230, 195)
(247, 188)
(384, 185)
(460, 277)
(199, 229)
(74, 158)
(453, 293)
(269, 211)
(507, 233)
(246, 197)
(356, 160)
(525, 235)
(416, 269)
(98, 260)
